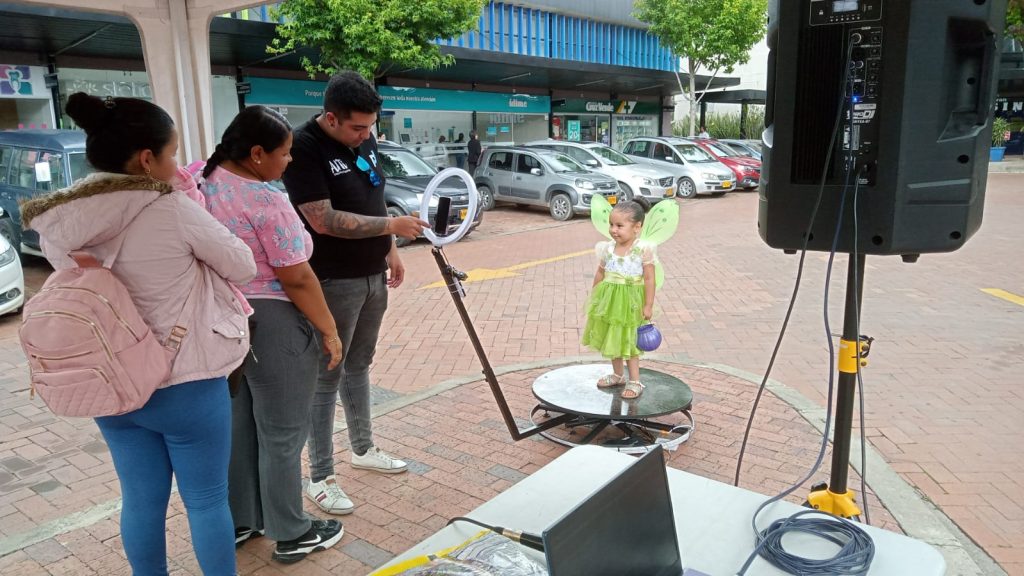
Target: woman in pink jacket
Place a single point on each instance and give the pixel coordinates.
(177, 263)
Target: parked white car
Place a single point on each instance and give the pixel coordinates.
(641, 182)
(697, 171)
(12, 280)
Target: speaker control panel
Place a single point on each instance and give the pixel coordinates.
(825, 12)
(864, 86)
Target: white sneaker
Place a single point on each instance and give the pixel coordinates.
(329, 496)
(379, 461)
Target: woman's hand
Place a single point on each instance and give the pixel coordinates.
(332, 348)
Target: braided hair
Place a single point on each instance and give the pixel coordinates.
(254, 126)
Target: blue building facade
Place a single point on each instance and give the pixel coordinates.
(597, 70)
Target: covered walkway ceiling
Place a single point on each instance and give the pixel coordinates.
(50, 31)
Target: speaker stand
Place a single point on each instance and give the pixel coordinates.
(834, 497)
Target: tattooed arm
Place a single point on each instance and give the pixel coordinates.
(327, 220)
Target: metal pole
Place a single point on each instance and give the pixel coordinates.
(454, 289)
(847, 380)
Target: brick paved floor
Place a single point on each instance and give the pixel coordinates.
(944, 396)
(460, 455)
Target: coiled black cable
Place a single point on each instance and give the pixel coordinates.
(856, 550)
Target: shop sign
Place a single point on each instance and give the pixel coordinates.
(276, 91)
(572, 132)
(22, 82)
(406, 98)
(606, 107)
(102, 89)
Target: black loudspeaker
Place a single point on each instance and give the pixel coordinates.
(904, 89)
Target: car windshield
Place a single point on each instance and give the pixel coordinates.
(80, 167)
(693, 153)
(723, 149)
(562, 164)
(404, 164)
(612, 156)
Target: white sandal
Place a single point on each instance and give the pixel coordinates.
(611, 380)
(634, 388)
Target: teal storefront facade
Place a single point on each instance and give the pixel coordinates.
(413, 115)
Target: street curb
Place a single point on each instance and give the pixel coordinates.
(916, 515)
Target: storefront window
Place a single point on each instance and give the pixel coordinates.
(632, 126)
(507, 128)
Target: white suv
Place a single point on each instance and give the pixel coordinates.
(644, 183)
(697, 172)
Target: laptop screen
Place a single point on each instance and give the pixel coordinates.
(626, 528)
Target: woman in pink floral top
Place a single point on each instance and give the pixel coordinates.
(270, 413)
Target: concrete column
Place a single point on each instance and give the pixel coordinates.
(178, 62)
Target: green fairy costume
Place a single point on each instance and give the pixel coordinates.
(616, 307)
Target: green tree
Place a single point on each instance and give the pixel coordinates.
(1015, 19)
(710, 35)
(373, 36)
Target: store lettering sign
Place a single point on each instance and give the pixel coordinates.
(126, 88)
(409, 98)
(578, 106)
(279, 92)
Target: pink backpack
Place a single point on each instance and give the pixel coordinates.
(89, 350)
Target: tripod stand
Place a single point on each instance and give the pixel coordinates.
(834, 497)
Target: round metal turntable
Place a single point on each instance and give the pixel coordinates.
(601, 416)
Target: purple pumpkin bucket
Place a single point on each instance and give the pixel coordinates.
(648, 338)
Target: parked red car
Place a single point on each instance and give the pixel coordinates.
(746, 169)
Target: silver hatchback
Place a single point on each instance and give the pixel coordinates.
(536, 177)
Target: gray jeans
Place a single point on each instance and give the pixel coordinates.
(358, 306)
(270, 422)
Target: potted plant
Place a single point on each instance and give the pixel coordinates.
(1000, 133)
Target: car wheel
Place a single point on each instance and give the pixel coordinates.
(395, 212)
(561, 207)
(627, 192)
(9, 232)
(486, 197)
(687, 189)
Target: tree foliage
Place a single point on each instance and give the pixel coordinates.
(711, 35)
(372, 36)
(1015, 19)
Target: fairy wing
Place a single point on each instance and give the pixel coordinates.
(661, 222)
(600, 212)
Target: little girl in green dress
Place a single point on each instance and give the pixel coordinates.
(623, 297)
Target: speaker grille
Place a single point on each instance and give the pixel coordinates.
(820, 62)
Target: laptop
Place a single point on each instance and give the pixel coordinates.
(625, 528)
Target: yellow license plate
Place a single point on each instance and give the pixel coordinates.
(463, 213)
(670, 193)
(727, 184)
(612, 200)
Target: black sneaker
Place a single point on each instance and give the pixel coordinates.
(243, 535)
(321, 535)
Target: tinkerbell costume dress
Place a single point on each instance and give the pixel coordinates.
(616, 306)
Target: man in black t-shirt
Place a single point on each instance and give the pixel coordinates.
(336, 182)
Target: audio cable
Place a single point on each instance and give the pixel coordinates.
(857, 549)
(525, 538)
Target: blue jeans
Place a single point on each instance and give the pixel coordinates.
(184, 430)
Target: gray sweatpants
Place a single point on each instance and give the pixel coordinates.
(358, 306)
(270, 422)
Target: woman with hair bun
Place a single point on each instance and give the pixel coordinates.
(177, 263)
